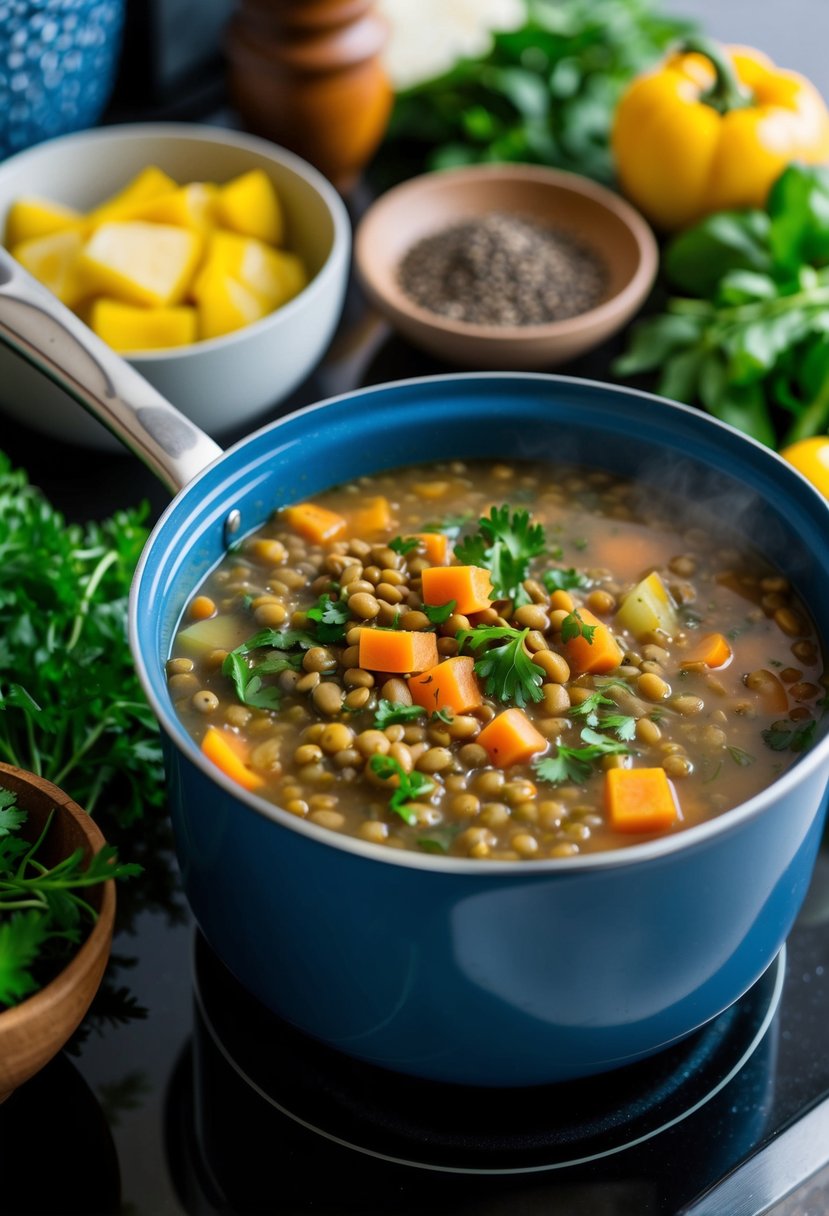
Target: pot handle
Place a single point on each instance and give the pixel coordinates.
(35, 324)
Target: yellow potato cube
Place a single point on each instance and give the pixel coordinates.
(126, 327)
(250, 205)
(224, 304)
(54, 260)
(33, 217)
(149, 183)
(141, 263)
(191, 206)
(648, 608)
(274, 274)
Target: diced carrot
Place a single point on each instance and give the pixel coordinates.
(601, 654)
(316, 524)
(562, 600)
(435, 545)
(769, 691)
(452, 684)
(511, 738)
(398, 650)
(639, 800)
(469, 586)
(711, 650)
(372, 518)
(223, 750)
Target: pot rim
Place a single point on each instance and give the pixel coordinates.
(698, 836)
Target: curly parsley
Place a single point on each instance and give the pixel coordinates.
(504, 544)
(508, 672)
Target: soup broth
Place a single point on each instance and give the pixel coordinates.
(498, 661)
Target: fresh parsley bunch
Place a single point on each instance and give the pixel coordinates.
(749, 338)
(71, 706)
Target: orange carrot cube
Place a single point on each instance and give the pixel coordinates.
(316, 524)
(452, 684)
(639, 800)
(511, 738)
(398, 650)
(226, 752)
(712, 650)
(601, 654)
(435, 546)
(469, 586)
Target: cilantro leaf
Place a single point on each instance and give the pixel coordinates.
(411, 786)
(389, 712)
(577, 764)
(573, 626)
(438, 613)
(404, 545)
(561, 579)
(21, 937)
(508, 672)
(505, 544)
(330, 617)
(797, 739)
(247, 677)
(11, 815)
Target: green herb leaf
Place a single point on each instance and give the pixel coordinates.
(388, 713)
(699, 258)
(11, 816)
(564, 579)
(439, 839)
(411, 786)
(798, 207)
(573, 627)
(508, 672)
(577, 764)
(504, 544)
(438, 613)
(443, 715)
(330, 617)
(739, 756)
(404, 546)
(796, 739)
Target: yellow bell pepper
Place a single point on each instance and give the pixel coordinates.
(710, 129)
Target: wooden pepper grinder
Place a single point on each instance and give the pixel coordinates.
(307, 74)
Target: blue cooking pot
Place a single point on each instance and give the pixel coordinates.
(494, 973)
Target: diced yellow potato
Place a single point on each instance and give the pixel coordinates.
(191, 206)
(141, 263)
(55, 261)
(33, 217)
(214, 633)
(224, 304)
(149, 183)
(274, 274)
(250, 205)
(648, 607)
(127, 327)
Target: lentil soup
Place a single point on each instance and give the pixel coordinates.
(498, 660)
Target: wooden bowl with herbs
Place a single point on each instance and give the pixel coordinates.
(504, 266)
(57, 910)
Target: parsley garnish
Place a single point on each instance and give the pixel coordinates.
(389, 712)
(573, 626)
(247, 678)
(576, 763)
(591, 709)
(439, 839)
(410, 785)
(797, 739)
(508, 672)
(43, 916)
(330, 617)
(438, 613)
(450, 525)
(403, 545)
(563, 579)
(504, 545)
(444, 715)
(739, 756)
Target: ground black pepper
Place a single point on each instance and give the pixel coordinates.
(502, 269)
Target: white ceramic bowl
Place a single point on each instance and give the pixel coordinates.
(226, 382)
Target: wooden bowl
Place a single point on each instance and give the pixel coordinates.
(571, 204)
(34, 1031)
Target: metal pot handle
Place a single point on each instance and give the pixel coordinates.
(37, 326)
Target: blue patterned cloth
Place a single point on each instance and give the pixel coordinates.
(58, 60)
